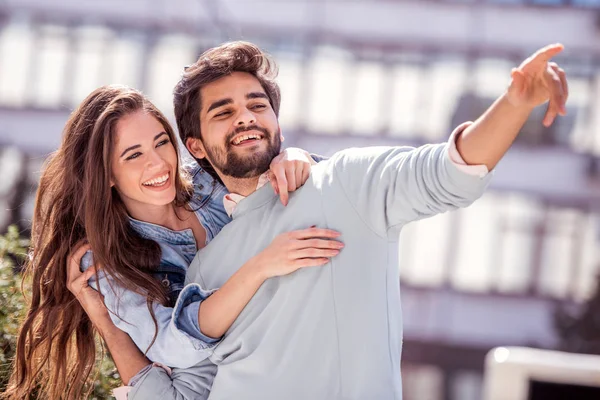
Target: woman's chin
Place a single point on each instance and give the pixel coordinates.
(160, 198)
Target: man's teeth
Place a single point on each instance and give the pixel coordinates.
(245, 137)
(157, 181)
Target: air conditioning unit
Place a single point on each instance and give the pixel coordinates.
(521, 373)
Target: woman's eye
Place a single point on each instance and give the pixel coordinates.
(134, 155)
(163, 142)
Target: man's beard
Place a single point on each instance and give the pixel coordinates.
(229, 163)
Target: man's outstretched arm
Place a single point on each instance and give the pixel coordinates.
(536, 81)
(392, 186)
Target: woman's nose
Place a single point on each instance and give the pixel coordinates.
(155, 160)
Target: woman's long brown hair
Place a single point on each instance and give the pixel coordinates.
(56, 350)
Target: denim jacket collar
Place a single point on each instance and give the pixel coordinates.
(160, 233)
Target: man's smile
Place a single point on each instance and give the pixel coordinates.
(247, 138)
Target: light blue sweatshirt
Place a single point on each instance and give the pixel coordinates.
(330, 332)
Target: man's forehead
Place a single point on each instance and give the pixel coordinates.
(230, 86)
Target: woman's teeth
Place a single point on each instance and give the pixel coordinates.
(160, 181)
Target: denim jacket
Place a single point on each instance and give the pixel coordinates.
(179, 342)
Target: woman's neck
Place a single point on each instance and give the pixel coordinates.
(166, 215)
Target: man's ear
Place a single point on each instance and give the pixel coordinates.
(281, 135)
(195, 147)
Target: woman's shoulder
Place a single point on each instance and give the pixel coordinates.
(198, 175)
(207, 200)
(205, 187)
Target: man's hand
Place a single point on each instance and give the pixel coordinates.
(538, 80)
(288, 171)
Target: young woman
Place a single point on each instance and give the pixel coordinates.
(116, 183)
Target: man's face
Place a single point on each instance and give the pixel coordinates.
(240, 132)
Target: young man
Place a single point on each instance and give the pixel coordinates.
(333, 332)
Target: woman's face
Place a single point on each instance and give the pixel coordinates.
(143, 163)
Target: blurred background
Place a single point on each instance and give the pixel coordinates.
(518, 268)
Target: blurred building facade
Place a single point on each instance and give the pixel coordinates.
(361, 73)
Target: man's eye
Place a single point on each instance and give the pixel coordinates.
(223, 113)
(134, 155)
(258, 106)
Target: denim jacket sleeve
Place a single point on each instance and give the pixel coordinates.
(173, 345)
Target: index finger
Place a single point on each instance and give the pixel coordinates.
(75, 257)
(281, 182)
(546, 53)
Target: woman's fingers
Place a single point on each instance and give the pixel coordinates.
(318, 244)
(302, 173)
(85, 276)
(80, 282)
(302, 248)
(279, 174)
(314, 232)
(315, 253)
(272, 181)
(310, 262)
(290, 173)
(74, 260)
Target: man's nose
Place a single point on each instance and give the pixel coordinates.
(246, 117)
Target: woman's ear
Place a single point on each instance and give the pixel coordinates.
(195, 147)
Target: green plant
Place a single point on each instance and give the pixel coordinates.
(13, 306)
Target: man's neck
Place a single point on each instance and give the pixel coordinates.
(242, 186)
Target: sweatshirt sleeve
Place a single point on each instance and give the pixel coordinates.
(391, 186)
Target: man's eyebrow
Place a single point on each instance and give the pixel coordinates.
(256, 95)
(135, 146)
(219, 103)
